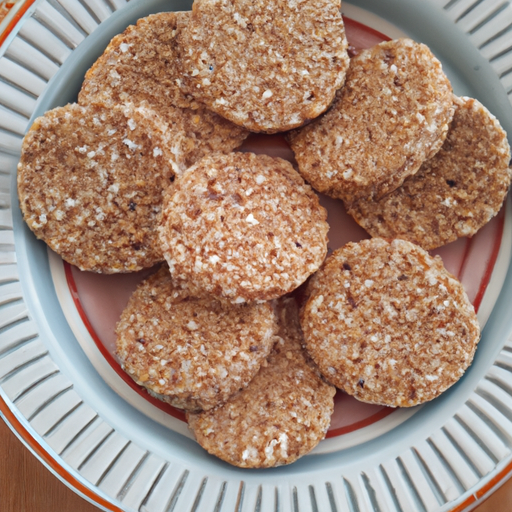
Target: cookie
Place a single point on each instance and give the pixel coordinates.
(391, 115)
(282, 414)
(242, 227)
(386, 323)
(191, 353)
(139, 66)
(90, 184)
(454, 193)
(266, 65)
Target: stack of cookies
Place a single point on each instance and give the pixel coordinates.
(142, 172)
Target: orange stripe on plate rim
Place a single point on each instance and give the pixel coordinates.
(10, 26)
(47, 459)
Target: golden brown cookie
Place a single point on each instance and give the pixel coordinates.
(242, 227)
(192, 353)
(90, 184)
(454, 193)
(282, 414)
(266, 65)
(387, 323)
(140, 66)
(391, 115)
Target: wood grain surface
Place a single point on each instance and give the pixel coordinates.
(27, 486)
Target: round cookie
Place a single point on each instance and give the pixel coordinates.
(387, 323)
(392, 114)
(454, 193)
(140, 66)
(266, 65)
(91, 181)
(242, 227)
(191, 353)
(282, 414)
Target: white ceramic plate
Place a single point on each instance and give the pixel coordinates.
(62, 397)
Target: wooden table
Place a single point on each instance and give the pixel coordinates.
(27, 486)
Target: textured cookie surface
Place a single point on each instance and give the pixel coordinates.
(386, 323)
(90, 184)
(140, 66)
(242, 227)
(266, 65)
(454, 193)
(391, 115)
(191, 353)
(283, 413)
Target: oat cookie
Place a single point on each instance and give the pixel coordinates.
(242, 227)
(90, 184)
(266, 65)
(387, 323)
(392, 114)
(191, 353)
(283, 413)
(454, 193)
(139, 66)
